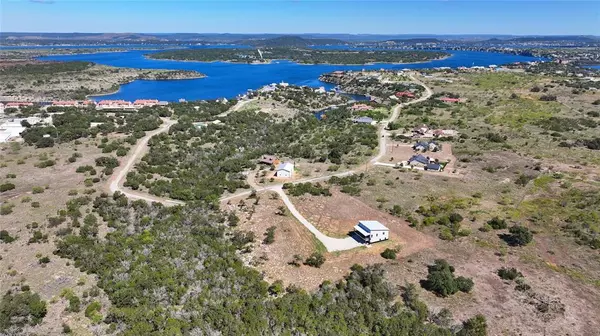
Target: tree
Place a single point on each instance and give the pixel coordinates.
(441, 280)
(44, 142)
(475, 326)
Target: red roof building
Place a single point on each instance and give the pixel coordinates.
(405, 94)
(67, 103)
(450, 100)
(18, 104)
(145, 102)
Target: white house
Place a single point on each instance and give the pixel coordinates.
(372, 231)
(285, 169)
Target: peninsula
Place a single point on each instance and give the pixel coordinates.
(37, 80)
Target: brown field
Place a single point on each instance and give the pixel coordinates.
(19, 263)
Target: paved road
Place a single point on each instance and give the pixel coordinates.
(332, 244)
(383, 136)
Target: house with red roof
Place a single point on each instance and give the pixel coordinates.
(450, 100)
(407, 94)
(145, 103)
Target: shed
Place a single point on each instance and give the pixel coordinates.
(371, 231)
(285, 169)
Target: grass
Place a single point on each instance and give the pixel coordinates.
(319, 247)
(495, 81)
(516, 113)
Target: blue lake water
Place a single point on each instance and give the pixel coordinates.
(229, 79)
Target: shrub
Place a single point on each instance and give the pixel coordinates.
(6, 209)
(45, 163)
(509, 273)
(35, 204)
(37, 190)
(270, 235)
(389, 254)
(21, 309)
(464, 284)
(475, 326)
(497, 223)
(519, 236)
(6, 237)
(92, 311)
(446, 234)
(6, 186)
(441, 280)
(315, 260)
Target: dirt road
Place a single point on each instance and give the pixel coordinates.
(332, 244)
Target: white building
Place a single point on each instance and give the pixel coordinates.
(285, 169)
(13, 128)
(372, 231)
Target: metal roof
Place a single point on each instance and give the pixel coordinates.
(372, 225)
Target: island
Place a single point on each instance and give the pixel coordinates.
(300, 55)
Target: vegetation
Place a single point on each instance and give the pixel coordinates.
(315, 260)
(308, 56)
(389, 253)
(200, 164)
(19, 309)
(509, 273)
(300, 189)
(441, 280)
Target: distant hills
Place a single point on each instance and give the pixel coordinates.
(274, 40)
(291, 41)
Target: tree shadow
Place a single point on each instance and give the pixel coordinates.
(508, 239)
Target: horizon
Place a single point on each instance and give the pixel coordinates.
(287, 17)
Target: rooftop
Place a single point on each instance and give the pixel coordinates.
(372, 225)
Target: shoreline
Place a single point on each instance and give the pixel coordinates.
(133, 80)
(270, 61)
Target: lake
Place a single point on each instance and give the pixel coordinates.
(229, 79)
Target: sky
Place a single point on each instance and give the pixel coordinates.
(303, 16)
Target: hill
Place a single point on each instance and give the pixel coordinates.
(291, 41)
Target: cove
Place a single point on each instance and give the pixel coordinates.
(231, 79)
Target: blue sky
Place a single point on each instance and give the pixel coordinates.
(303, 16)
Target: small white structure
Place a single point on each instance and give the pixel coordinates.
(285, 169)
(12, 129)
(372, 231)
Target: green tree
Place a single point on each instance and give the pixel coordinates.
(475, 326)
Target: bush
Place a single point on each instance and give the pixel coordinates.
(37, 190)
(6, 237)
(315, 260)
(475, 326)
(270, 235)
(21, 309)
(497, 223)
(519, 236)
(6, 209)
(464, 284)
(441, 280)
(389, 254)
(509, 273)
(45, 163)
(6, 187)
